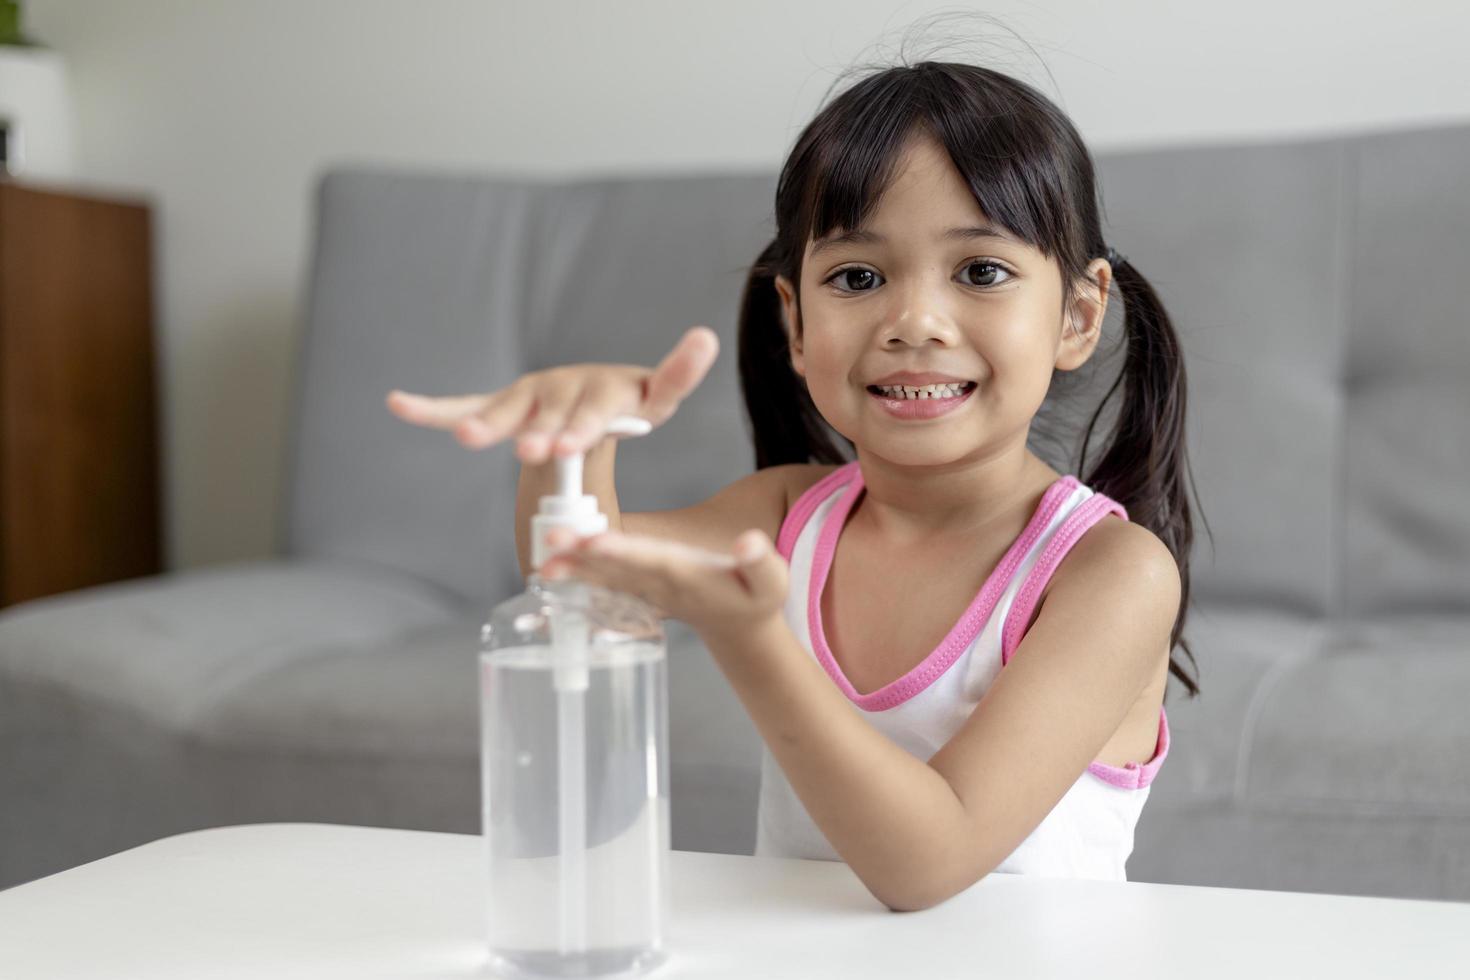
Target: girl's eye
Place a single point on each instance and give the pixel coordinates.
(844, 275)
(856, 275)
(986, 265)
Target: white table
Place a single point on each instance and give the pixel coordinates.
(323, 901)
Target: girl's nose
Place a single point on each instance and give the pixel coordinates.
(917, 328)
(923, 315)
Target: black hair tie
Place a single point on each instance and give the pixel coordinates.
(1114, 259)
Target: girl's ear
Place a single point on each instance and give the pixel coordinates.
(789, 322)
(1082, 328)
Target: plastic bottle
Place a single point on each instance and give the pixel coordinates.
(574, 764)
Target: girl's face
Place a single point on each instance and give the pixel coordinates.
(911, 295)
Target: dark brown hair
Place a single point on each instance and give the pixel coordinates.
(1029, 171)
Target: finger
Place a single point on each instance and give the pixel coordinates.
(560, 539)
(651, 569)
(556, 567)
(588, 420)
(679, 372)
(645, 551)
(439, 413)
(591, 571)
(649, 579)
(546, 419)
(612, 578)
(503, 414)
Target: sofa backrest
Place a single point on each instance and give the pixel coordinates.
(1315, 285)
(1318, 288)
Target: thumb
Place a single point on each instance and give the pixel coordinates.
(679, 372)
(761, 566)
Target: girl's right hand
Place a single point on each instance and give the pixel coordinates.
(565, 410)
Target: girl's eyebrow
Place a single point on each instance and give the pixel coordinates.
(858, 236)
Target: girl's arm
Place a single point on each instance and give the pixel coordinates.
(917, 833)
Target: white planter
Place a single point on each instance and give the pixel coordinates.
(35, 106)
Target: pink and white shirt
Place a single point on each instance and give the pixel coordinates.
(1089, 833)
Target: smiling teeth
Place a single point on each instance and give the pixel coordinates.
(923, 391)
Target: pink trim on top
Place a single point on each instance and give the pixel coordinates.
(1077, 523)
(960, 635)
(809, 500)
(1130, 775)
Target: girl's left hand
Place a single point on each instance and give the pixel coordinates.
(718, 595)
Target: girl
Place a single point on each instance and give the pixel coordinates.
(938, 258)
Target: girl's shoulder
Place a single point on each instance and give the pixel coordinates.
(1113, 543)
(798, 478)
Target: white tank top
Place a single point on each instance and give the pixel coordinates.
(1089, 833)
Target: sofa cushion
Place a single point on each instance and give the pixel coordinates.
(1240, 651)
(1375, 725)
(104, 691)
(170, 648)
(406, 695)
(1389, 854)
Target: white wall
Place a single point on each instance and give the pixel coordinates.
(223, 112)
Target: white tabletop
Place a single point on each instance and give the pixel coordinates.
(325, 901)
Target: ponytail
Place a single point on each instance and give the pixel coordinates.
(1146, 466)
(785, 424)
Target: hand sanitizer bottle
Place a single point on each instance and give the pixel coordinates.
(574, 765)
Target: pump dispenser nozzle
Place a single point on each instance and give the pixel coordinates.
(569, 507)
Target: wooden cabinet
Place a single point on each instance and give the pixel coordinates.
(79, 484)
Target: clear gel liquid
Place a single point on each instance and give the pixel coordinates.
(617, 925)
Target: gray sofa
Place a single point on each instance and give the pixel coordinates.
(1318, 286)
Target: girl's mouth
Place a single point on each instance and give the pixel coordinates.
(925, 402)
